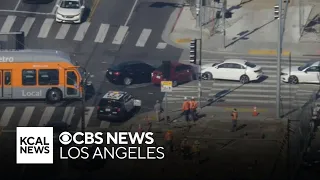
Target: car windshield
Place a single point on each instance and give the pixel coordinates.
(249, 64)
(70, 4)
(107, 102)
(305, 66)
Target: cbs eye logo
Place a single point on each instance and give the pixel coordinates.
(65, 138)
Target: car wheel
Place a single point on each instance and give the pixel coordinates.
(293, 80)
(207, 76)
(127, 81)
(54, 96)
(174, 83)
(244, 79)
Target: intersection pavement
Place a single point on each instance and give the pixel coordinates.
(259, 93)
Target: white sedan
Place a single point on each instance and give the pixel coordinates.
(232, 69)
(308, 73)
(70, 11)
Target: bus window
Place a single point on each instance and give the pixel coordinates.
(48, 77)
(7, 77)
(71, 78)
(72, 81)
(29, 77)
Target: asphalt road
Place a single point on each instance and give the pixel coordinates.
(96, 57)
(261, 93)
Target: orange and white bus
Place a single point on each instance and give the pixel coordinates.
(39, 74)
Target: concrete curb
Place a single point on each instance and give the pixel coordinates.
(178, 16)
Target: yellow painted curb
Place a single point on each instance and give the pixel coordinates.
(246, 109)
(267, 52)
(183, 40)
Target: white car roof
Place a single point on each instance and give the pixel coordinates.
(72, 0)
(238, 61)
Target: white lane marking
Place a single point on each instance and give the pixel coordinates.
(7, 25)
(143, 37)
(88, 114)
(102, 33)
(17, 5)
(161, 45)
(104, 124)
(6, 116)
(82, 31)
(122, 31)
(46, 116)
(131, 12)
(45, 28)
(25, 118)
(55, 7)
(63, 31)
(68, 115)
(27, 25)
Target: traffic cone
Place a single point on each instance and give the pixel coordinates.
(254, 112)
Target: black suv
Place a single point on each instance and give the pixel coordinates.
(115, 104)
(130, 72)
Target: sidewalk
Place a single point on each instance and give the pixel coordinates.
(251, 30)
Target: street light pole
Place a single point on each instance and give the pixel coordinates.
(279, 60)
(200, 55)
(224, 22)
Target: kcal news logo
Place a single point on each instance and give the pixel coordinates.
(34, 145)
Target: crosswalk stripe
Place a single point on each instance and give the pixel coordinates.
(104, 124)
(143, 37)
(88, 114)
(45, 28)
(63, 31)
(7, 25)
(68, 115)
(5, 118)
(121, 34)
(28, 22)
(46, 116)
(83, 28)
(102, 33)
(25, 118)
(161, 45)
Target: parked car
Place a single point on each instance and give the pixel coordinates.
(130, 72)
(179, 73)
(232, 69)
(70, 11)
(308, 73)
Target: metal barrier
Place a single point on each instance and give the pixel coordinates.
(300, 129)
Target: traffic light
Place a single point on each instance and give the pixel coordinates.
(193, 51)
(276, 12)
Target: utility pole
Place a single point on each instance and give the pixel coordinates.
(279, 60)
(198, 6)
(224, 22)
(83, 103)
(200, 55)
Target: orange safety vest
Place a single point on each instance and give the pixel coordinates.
(168, 136)
(234, 115)
(193, 105)
(185, 106)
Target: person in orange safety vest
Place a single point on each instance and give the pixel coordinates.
(193, 109)
(168, 137)
(186, 108)
(234, 116)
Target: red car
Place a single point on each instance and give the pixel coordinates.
(179, 73)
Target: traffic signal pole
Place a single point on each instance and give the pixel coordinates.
(200, 55)
(279, 60)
